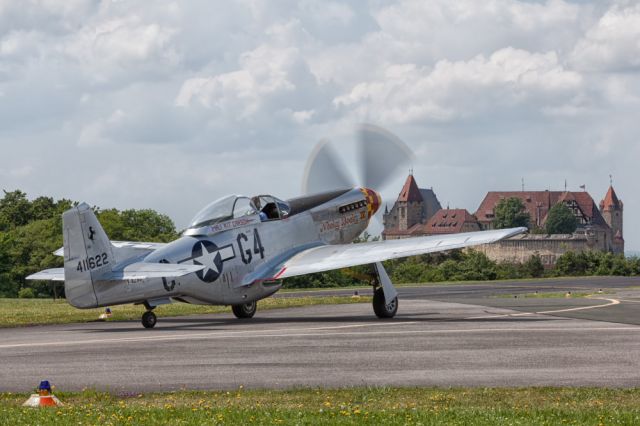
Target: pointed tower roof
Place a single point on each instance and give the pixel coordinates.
(611, 200)
(410, 191)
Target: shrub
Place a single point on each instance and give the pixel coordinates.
(507, 271)
(410, 272)
(26, 293)
(533, 267)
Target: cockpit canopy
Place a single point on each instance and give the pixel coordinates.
(237, 206)
(223, 209)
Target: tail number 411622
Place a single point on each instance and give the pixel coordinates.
(93, 262)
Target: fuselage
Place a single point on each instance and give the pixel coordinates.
(231, 250)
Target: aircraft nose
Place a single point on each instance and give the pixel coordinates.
(373, 200)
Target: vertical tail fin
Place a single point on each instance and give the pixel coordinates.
(88, 255)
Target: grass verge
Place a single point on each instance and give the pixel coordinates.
(552, 295)
(22, 312)
(375, 406)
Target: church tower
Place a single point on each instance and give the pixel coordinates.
(611, 208)
(409, 204)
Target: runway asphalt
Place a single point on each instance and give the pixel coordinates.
(467, 335)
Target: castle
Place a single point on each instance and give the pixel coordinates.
(417, 212)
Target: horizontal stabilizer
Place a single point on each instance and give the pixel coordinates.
(55, 274)
(142, 270)
(139, 245)
(133, 271)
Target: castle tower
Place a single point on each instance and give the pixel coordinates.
(611, 208)
(409, 204)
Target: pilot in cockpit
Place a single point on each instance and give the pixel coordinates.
(269, 208)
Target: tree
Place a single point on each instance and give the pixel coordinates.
(137, 225)
(15, 210)
(510, 213)
(31, 230)
(561, 220)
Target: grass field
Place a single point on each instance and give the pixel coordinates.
(21, 312)
(372, 406)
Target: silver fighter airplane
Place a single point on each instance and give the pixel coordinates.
(238, 249)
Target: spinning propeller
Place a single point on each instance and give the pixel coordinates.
(380, 155)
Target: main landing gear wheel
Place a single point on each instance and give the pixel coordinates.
(381, 307)
(246, 310)
(149, 319)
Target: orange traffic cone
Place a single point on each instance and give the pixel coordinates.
(44, 397)
(106, 315)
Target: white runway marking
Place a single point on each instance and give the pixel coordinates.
(214, 334)
(555, 311)
(304, 332)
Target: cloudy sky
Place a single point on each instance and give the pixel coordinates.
(171, 104)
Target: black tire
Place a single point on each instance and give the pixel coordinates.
(381, 308)
(149, 319)
(246, 310)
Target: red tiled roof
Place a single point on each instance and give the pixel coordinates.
(449, 221)
(410, 191)
(538, 203)
(445, 221)
(611, 200)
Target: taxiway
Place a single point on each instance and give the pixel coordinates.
(443, 336)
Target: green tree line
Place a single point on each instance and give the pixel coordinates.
(31, 230)
(472, 265)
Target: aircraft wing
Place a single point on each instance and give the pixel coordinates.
(140, 245)
(139, 270)
(329, 257)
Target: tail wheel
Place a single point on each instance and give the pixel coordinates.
(246, 310)
(381, 307)
(149, 319)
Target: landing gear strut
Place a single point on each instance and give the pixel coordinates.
(246, 310)
(149, 319)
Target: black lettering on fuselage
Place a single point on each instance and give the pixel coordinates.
(245, 255)
(257, 244)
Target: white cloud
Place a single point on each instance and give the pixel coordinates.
(263, 72)
(170, 104)
(508, 78)
(613, 43)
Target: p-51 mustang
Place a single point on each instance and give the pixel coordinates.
(237, 250)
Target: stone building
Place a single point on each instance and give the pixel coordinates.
(611, 209)
(538, 204)
(600, 227)
(520, 248)
(414, 206)
(603, 224)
